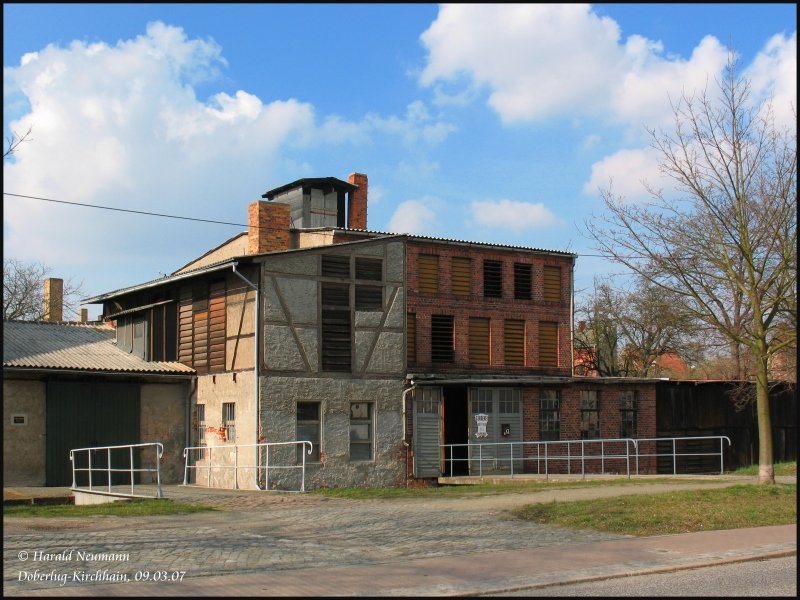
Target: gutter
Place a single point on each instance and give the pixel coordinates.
(256, 399)
(405, 424)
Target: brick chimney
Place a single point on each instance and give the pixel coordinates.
(268, 227)
(53, 300)
(357, 212)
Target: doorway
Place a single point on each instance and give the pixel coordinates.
(456, 430)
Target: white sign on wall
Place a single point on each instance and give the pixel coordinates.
(481, 420)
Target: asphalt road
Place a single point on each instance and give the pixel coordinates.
(765, 578)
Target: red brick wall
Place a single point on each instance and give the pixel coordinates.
(268, 227)
(609, 414)
(496, 309)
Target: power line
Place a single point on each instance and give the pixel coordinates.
(127, 210)
(152, 214)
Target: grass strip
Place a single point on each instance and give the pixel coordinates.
(128, 508)
(784, 468)
(673, 512)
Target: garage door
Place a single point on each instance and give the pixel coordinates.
(81, 415)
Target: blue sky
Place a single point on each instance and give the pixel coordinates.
(487, 123)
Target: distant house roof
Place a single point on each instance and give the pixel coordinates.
(35, 346)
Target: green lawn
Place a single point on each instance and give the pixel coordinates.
(786, 468)
(674, 512)
(129, 508)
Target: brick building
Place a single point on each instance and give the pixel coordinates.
(395, 355)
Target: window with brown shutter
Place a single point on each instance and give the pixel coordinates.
(411, 338)
(552, 284)
(548, 344)
(201, 323)
(479, 341)
(461, 276)
(514, 346)
(428, 273)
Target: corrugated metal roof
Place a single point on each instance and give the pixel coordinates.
(75, 347)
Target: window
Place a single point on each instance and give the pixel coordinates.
(590, 415)
(492, 279)
(442, 349)
(522, 281)
(308, 429)
(428, 267)
(229, 420)
(627, 414)
(335, 266)
(336, 331)
(514, 340)
(548, 344)
(369, 297)
(461, 276)
(361, 430)
(479, 341)
(552, 284)
(200, 424)
(549, 415)
(369, 268)
(411, 338)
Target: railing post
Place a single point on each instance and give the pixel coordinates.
(90, 469)
(583, 459)
(108, 467)
(721, 465)
(159, 454)
(266, 470)
(546, 474)
(186, 453)
(602, 457)
(674, 458)
(131, 455)
(569, 459)
(210, 462)
(512, 459)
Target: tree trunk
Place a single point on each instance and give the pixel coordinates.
(766, 471)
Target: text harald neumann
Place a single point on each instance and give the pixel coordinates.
(40, 555)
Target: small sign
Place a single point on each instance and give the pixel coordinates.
(505, 430)
(19, 419)
(481, 420)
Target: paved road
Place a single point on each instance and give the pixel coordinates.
(310, 545)
(767, 578)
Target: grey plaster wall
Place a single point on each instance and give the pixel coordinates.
(280, 396)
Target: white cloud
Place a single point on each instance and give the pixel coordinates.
(414, 216)
(624, 172)
(121, 126)
(511, 214)
(774, 71)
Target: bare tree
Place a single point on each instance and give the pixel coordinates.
(23, 291)
(626, 332)
(730, 237)
(13, 142)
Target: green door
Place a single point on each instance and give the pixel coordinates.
(83, 415)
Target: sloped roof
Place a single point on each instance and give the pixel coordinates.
(74, 347)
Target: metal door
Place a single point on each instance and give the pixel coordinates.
(427, 431)
(82, 415)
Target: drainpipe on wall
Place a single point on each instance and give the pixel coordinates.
(256, 399)
(572, 320)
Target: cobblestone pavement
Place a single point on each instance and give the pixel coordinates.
(257, 532)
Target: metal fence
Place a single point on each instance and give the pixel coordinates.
(572, 457)
(220, 466)
(105, 470)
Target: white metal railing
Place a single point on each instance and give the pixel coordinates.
(106, 452)
(687, 452)
(543, 453)
(608, 451)
(227, 458)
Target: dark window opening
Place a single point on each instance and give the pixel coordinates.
(369, 268)
(590, 415)
(442, 347)
(335, 266)
(369, 297)
(492, 279)
(522, 281)
(549, 415)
